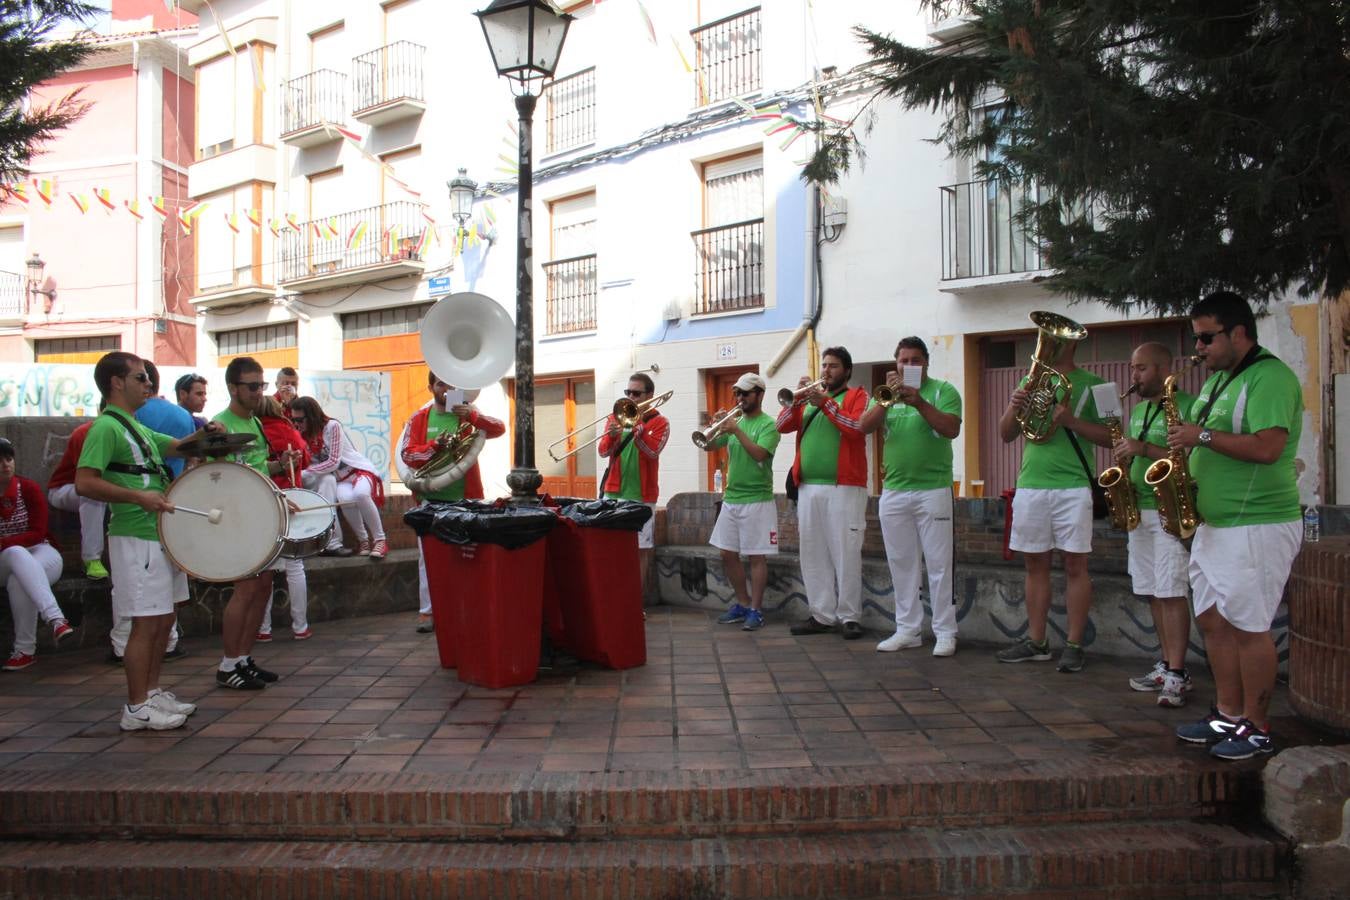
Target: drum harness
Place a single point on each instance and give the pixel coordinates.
(159, 469)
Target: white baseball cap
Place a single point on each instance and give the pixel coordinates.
(749, 382)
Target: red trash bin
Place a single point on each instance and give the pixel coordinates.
(499, 611)
(444, 598)
(599, 593)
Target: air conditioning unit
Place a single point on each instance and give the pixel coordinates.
(676, 309)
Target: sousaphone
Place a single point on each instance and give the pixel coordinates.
(468, 341)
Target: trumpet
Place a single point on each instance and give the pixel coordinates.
(790, 397)
(714, 431)
(625, 411)
(883, 395)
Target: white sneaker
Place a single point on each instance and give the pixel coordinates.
(167, 702)
(899, 641)
(150, 716)
(1174, 688)
(945, 646)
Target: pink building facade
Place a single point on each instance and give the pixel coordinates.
(116, 275)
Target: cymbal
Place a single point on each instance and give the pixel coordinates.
(214, 444)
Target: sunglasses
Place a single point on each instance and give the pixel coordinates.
(253, 385)
(634, 393)
(139, 376)
(1207, 337)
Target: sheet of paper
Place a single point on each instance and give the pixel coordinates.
(912, 376)
(1106, 397)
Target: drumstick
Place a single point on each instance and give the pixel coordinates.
(291, 462)
(213, 516)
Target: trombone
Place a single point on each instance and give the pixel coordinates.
(625, 411)
(790, 396)
(714, 431)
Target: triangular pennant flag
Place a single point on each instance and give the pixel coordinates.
(184, 221)
(46, 189)
(391, 235)
(81, 202)
(18, 191)
(254, 216)
(425, 242)
(274, 226)
(232, 220)
(426, 215)
(160, 205)
(647, 20)
(356, 236)
(349, 135)
(293, 221)
(332, 225)
(134, 207)
(104, 196)
(318, 231)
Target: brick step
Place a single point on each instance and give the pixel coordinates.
(552, 806)
(1144, 859)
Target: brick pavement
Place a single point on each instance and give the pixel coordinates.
(368, 696)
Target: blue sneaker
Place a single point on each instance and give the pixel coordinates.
(1245, 742)
(754, 620)
(737, 613)
(1209, 730)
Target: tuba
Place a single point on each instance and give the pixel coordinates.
(1047, 388)
(1121, 496)
(468, 340)
(1170, 477)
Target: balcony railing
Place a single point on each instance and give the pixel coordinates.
(571, 294)
(569, 113)
(388, 74)
(12, 291)
(312, 100)
(727, 53)
(327, 246)
(981, 236)
(729, 267)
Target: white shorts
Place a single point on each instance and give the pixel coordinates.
(646, 539)
(1052, 519)
(750, 529)
(1158, 562)
(144, 581)
(1243, 570)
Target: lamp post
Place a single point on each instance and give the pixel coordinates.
(35, 267)
(525, 38)
(463, 189)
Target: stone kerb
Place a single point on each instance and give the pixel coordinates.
(989, 589)
(1306, 798)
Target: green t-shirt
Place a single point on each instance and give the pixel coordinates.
(439, 423)
(256, 456)
(914, 456)
(1054, 464)
(108, 442)
(1149, 413)
(1266, 395)
(630, 483)
(749, 481)
(820, 446)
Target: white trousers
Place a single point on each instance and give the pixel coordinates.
(831, 520)
(912, 521)
(297, 591)
(325, 486)
(364, 516)
(91, 518)
(423, 589)
(28, 574)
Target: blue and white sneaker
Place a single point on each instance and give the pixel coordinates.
(754, 620)
(1244, 743)
(737, 613)
(1209, 730)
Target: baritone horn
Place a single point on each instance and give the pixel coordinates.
(1045, 387)
(625, 411)
(714, 431)
(790, 396)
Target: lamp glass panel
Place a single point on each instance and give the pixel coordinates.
(549, 33)
(508, 35)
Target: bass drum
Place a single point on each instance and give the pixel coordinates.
(249, 534)
(307, 531)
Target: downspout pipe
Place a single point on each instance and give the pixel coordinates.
(812, 318)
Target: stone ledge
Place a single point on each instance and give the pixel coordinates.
(989, 598)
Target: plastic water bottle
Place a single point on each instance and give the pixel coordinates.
(717, 481)
(1312, 523)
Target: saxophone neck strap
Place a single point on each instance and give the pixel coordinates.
(1252, 358)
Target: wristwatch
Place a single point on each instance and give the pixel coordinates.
(1205, 436)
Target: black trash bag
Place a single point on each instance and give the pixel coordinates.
(480, 522)
(616, 515)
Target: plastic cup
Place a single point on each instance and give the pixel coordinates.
(956, 487)
(976, 488)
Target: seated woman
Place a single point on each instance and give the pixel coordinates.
(282, 436)
(359, 487)
(29, 564)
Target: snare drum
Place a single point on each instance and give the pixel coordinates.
(252, 527)
(309, 530)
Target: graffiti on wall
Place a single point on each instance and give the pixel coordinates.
(359, 400)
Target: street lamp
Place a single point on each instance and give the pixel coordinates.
(525, 38)
(463, 189)
(35, 267)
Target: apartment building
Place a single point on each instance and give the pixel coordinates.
(86, 266)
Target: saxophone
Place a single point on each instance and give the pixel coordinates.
(1115, 481)
(1170, 478)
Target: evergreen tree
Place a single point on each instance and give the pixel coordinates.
(26, 60)
(1181, 146)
